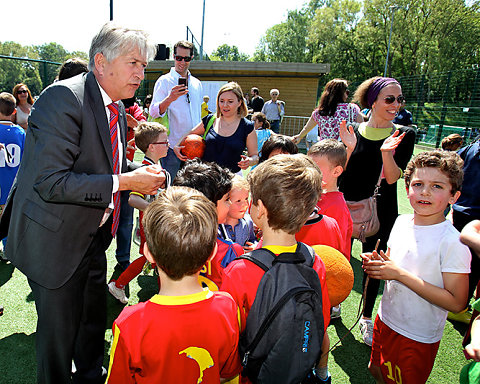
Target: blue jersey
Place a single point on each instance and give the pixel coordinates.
(12, 137)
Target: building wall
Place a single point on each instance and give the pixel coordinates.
(297, 83)
(299, 94)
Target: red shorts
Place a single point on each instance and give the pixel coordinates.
(401, 360)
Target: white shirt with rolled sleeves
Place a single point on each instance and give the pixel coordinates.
(426, 251)
(182, 115)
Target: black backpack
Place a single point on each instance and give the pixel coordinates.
(283, 336)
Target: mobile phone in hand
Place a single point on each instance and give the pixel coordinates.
(182, 81)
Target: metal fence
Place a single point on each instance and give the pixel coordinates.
(443, 103)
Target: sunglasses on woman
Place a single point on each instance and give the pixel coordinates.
(184, 58)
(390, 99)
(22, 91)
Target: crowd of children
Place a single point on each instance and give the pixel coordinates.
(425, 267)
(196, 231)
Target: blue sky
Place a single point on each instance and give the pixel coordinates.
(240, 23)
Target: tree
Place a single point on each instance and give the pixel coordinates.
(287, 41)
(428, 36)
(226, 52)
(37, 75)
(13, 71)
(332, 37)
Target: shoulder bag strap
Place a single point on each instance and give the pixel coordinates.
(209, 125)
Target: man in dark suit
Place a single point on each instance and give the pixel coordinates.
(61, 211)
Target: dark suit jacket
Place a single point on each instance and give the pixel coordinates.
(64, 183)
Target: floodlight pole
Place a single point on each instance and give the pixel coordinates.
(203, 25)
(393, 8)
(111, 10)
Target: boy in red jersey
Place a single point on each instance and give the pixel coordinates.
(152, 140)
(215, 182)
(284, 189)
(163, 340)
(331, 156)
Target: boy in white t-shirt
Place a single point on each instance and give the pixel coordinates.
(426, 271)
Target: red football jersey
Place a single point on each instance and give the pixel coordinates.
(211, 273)
(333, 205)
(176, 339)
(322, 230)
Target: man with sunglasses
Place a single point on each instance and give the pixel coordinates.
(181, 103)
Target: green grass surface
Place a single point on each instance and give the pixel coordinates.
(347, 362)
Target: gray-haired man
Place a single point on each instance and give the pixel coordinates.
(62, 211)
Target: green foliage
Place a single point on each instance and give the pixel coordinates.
(226, 52)
(37, 75)
(428, 36)
(287, 41)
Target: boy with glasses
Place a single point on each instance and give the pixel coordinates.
(177, 103)
(151, 138)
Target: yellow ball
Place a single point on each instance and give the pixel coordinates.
(339, 273)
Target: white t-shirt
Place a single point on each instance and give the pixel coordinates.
(427, 252)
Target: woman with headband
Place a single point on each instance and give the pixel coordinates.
(374, 147)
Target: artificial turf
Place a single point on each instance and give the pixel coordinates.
(347, 362)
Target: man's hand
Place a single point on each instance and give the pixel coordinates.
(176, 92)
(146, 180)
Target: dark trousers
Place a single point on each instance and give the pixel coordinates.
(72, 319)
(275, 126)
(459, 221)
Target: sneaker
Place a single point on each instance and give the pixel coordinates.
(463, 316)
(1, 310)
(336, 312)
(118, 293)
(312, 378)
(366, 328)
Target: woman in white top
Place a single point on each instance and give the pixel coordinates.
(332, 109)
(24, 104)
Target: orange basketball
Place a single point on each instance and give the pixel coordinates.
(339, 273)
(194, 146)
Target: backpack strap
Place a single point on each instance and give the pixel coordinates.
(265, 258)
(209, 125)
(261, 257)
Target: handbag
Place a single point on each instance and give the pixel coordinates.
(364, 215)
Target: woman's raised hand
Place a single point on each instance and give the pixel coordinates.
(392, 142)
(348, 135)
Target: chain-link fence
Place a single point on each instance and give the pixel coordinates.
(442, 104)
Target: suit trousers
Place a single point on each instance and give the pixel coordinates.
(72, 319)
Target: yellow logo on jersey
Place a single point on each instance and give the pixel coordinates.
(201, 356)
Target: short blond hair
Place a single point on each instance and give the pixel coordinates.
(181, 230)
(332, 149)
(289, 187)
(239, 182)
